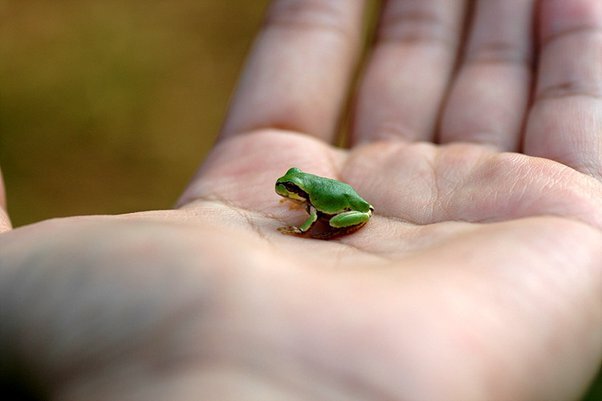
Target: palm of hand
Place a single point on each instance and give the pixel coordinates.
(476, 237)
(464, 244)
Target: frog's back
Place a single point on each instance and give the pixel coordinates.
(335, 196)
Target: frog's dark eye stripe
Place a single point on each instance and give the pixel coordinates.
(295, 189)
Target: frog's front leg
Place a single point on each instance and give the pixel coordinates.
(303, 228)
(349, 219)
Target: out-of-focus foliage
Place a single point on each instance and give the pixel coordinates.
(108, 106)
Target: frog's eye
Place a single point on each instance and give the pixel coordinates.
(290, 187)
(294, 189)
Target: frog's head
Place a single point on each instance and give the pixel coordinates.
(291, 185)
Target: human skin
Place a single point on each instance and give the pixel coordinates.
(478, 278)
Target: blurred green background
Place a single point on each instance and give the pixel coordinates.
(109, 106)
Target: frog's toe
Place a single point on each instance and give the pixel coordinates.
(290, 230)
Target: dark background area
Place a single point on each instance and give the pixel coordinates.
(109, 106)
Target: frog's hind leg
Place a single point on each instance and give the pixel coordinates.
(337, 232)
(343, 224)
(349, 219)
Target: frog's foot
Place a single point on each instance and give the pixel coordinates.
(291, 230)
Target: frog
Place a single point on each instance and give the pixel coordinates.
(326, 199)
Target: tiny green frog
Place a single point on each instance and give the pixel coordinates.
(326, 199)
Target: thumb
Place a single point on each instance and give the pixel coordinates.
(4, 220)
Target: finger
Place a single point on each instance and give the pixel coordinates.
(488, 101)
(298, 73)
(409, 70)
(565, 123)
(4, 220)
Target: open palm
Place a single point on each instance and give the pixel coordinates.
(479, 277)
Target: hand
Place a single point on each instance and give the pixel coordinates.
(479, 277)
